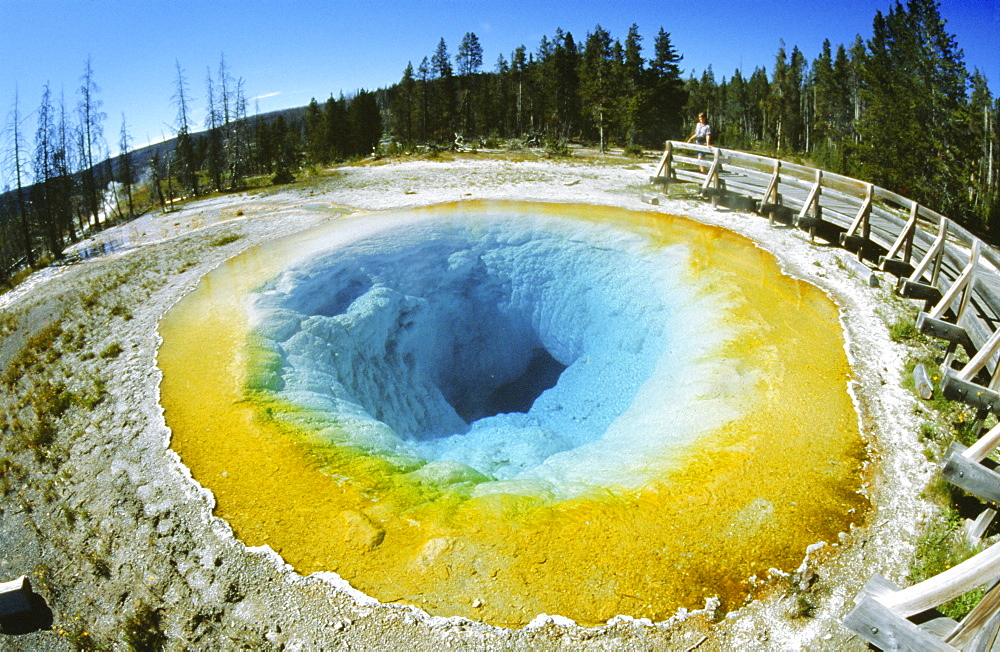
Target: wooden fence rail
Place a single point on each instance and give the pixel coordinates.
(957, 276)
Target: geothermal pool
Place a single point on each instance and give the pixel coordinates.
(497, 409)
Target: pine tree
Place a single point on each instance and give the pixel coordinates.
(235, 129)
(667, 95)
(424, 92)
(184, 155)
(156, 175)
(786, 100)
(622, 113)
(315, 134)
(833, 118)
(91, 141)
(798, 107)
(63, 165)
(518, 69)
(732, 124)
(759, 117)
(858, 55)
(214, 162)
(469, 62)
(283, 146)
(404, 104)
(335, 117)
(443, 106)
(702, 96)
(44, 175)
(824, 91)
(845, 84)
(498, 112)
(984, 182)
(240, 137)
(566, 65)
(913, 92)
(126, 168)
(364, 123)
(20, 177)
(597, 79)
(633, 99)
(992, 204)
(558, 81)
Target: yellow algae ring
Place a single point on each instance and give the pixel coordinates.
(499, 409)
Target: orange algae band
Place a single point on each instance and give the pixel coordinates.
(768, 462)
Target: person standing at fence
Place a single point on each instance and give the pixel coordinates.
(702, 135)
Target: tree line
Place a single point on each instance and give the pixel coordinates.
(63, 180)
(57, 176)
(599, 91)
(899, 109)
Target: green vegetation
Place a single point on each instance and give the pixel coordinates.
(903, 330)
(941, 547)
(16, 278)
(112, 350)
(8, 322)
(804, 606)
(143, 632)
(223, 240)
(944, 542)
(633, 150)
(43, 382)
(556, 147)
(119, 310)
(7, 468)
(959, 421)
(82, 640)
(101, 565)
(39, 350)
(74, 340)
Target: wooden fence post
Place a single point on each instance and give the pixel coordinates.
(15, 597)
(882, 611)
(772, 198)
(914, 287)
(712, 186)
(932, 321)
(901, 267)
(862, 220)
(665, 170)
(812, 204)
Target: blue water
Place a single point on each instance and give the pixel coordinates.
(542, 352)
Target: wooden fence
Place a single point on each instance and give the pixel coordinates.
(957, 276)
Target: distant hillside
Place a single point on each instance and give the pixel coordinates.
(141, 156)
(12, 255)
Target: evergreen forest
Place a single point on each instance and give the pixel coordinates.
(899, 109)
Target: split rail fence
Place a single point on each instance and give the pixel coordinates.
(957, 276)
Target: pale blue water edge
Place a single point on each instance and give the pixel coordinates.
(440, 338)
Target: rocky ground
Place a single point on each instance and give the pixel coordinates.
(121, 543)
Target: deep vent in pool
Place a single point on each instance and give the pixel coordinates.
(519, 394)
(464, 340)
(479, 398)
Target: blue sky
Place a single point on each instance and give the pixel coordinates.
(289, 52)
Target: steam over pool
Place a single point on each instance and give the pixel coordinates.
(496, 410)
(528, 354)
